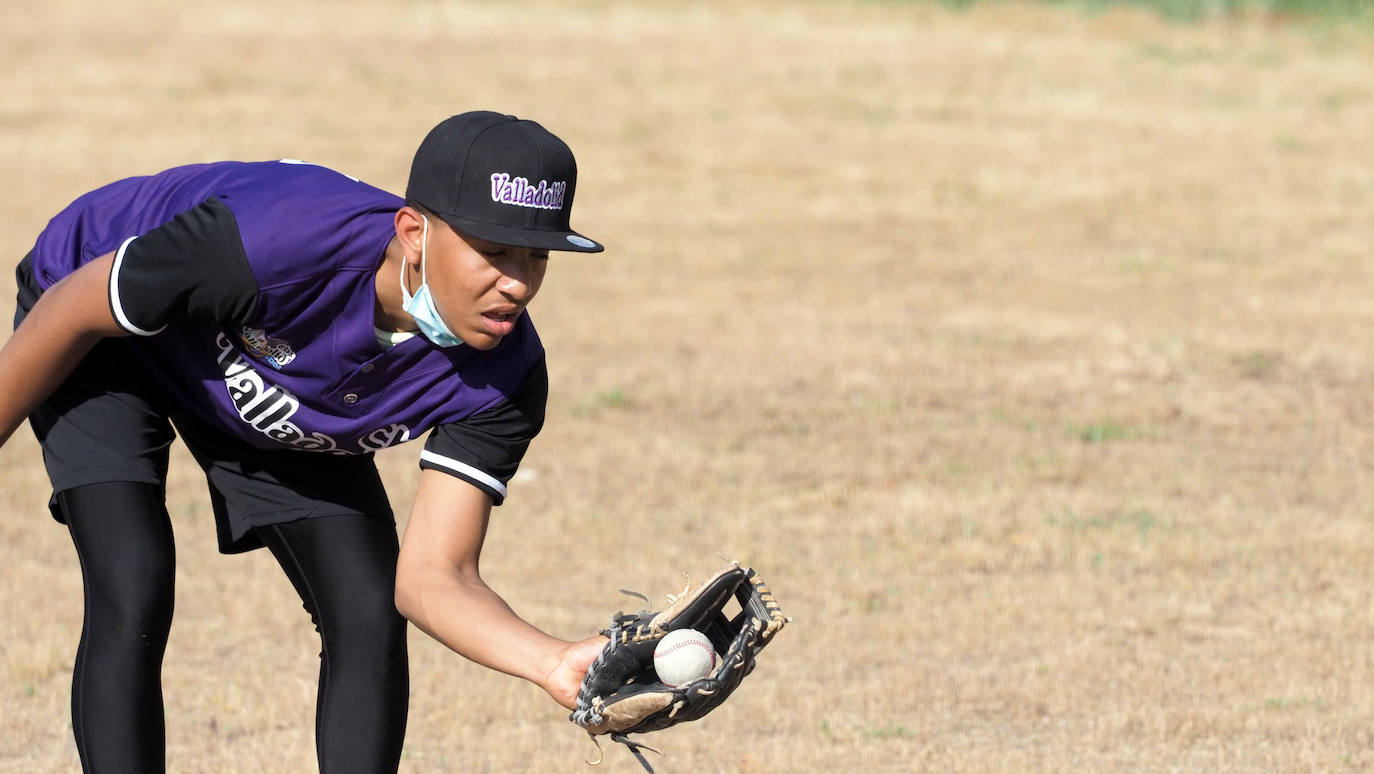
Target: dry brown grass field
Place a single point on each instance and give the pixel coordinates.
(1025, 352)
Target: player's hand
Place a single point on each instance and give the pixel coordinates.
(565, 679)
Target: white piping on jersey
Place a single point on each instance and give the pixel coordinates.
(115, 304)
(465, 469)
(308, 164)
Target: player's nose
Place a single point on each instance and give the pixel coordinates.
(520, 278)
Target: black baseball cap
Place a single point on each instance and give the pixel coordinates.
(499, 178)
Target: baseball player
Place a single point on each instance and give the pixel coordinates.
(288, 321)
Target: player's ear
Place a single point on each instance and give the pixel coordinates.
(410, 229)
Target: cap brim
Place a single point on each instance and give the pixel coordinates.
(570, 241)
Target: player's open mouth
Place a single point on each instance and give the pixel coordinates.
(500, 323)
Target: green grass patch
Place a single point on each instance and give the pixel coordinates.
(605, 400)
(614, 399)
(1288, 704)
(1257, 364)
(1193, 10)
(889, 731)
(1142, 522)
(1103, 432)
(1196, 10)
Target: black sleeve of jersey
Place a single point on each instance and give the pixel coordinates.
(486, 448)
(191, 268)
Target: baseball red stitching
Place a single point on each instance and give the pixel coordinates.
(687, 644)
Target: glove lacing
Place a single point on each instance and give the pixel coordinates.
(633, 746)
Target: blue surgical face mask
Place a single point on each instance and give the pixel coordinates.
(421, 305)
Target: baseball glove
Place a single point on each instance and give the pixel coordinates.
(621, 693)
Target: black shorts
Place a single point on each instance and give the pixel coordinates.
(110, 421)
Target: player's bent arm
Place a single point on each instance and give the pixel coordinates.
(63, 325)
(439, 588)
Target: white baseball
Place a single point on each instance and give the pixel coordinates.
(684, 655)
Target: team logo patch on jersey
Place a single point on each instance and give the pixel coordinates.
(274, 352)
(270, 409)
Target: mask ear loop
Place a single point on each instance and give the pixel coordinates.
(424, 278)
(424, 244)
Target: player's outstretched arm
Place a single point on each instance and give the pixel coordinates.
(440, 589)
(61, 328)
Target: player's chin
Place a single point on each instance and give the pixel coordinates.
(482, 340)
(489, 331)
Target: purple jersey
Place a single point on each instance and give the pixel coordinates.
(252, 285)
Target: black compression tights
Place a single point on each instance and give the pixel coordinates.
(344, 569)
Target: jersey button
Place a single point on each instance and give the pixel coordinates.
(367, 368)
(351, 398)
